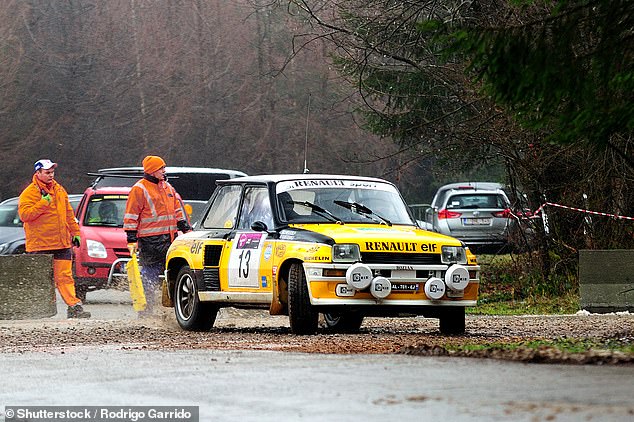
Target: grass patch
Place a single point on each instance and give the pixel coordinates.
(512, 285)
(496, 304)
(565, 345)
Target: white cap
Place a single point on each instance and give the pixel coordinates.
(44, 164)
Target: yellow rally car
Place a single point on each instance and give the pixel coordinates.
(303, 244)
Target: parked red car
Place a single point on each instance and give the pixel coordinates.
(100, 259)
(102, 255)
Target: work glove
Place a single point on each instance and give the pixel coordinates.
(132, 248)
(76, 241)
(131, 236)
(183, 226)
(47, 197)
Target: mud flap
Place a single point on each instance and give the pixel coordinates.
(166, 300)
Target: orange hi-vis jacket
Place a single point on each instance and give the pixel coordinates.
(47, 226)
(152, 209)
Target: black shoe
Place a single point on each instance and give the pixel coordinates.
(77, 311)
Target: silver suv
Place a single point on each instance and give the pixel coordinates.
(479, 214)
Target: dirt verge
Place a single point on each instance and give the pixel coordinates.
(256, 330)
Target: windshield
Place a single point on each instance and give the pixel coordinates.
(9, 215)
(475, 201)
(346, 201)
(105, 210)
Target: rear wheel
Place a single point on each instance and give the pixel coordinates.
(302, 316)
(191, 313)
(343, 322)
(452, 320)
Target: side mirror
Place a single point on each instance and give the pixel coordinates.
(259, 226)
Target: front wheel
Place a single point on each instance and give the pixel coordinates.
(452, 320)
(343, 322)
(303, 318)
(191, 313)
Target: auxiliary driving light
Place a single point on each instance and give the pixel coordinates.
(434, 288)
(380, 287)
(359, 276)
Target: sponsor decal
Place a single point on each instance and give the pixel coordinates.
(249, 241)
(287, 234)
(316, 258)
(196, 247)
(400, 247)
(265, 281)
(268, 252)
(280, 250)
(404, 267)
(306, 183)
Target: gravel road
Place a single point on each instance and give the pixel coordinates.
(256, 330)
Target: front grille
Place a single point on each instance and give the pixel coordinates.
(121, 252)
(400, 258)
(211, 280)
(212, 255)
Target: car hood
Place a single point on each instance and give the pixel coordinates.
(377, 237)
(111, 237)
(11, 234)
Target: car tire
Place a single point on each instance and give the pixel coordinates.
(452, 320)
(343, 322)
(303, 318)
(191, 313)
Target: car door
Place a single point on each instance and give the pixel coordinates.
(249, 249)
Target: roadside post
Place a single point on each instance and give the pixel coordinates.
(606, 280)
(27, 287)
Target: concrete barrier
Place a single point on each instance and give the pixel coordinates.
(27, 287)
(606, 280)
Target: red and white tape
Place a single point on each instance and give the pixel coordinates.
(621, 217)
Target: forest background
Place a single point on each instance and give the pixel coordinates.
(536, 94)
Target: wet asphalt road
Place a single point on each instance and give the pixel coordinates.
(247, 385)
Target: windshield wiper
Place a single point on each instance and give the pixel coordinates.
(363, 210)
(318, 210)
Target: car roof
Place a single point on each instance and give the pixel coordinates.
(276, 178)
(172, 169)
(110, 189)
(11, 201)
(472, 185)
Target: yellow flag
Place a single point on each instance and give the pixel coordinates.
(136, 287)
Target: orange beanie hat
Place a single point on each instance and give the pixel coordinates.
(152, 163)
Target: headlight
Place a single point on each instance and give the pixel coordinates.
(96, 249)
(346, 252)
(453, 255)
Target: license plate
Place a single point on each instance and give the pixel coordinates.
(405, 287)
(476, 221)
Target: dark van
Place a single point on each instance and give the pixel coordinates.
(194, 184)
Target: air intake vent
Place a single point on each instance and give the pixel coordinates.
(211, 281)
(212, 255)
(400, 258)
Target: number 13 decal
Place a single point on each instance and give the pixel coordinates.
(245, 257)
(244, 261)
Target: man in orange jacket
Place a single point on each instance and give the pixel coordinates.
(49, 226)
(153, 216)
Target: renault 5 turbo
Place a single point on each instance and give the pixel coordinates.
(303, 245)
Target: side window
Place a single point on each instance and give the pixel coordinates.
(224, 210)
(255, 207)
